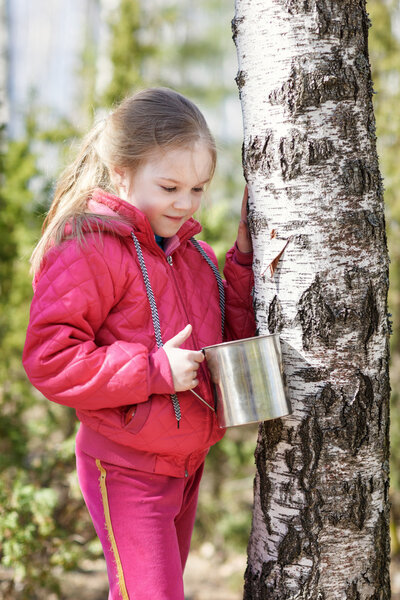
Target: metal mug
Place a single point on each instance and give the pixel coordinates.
(248, 378)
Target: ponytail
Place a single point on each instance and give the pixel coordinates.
(75, 185)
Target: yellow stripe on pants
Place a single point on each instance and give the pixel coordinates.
(103, 489)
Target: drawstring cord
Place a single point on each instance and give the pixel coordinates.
(153, 306)
(219, 281)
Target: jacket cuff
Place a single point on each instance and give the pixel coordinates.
(242, 258)
(160, 376)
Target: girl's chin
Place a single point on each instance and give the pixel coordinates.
(170, 228)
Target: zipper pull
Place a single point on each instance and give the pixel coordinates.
(169, 260)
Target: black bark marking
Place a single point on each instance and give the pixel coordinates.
(315, 315)
(320, 150)
(311, 437)
(257, 221)
(310, 374)
(345, 23)
(240, 80)
(347, 27)
(275, 317)
(290, 458)
(272, 434)
(358, 177)
(298, 6)
(361, 62)
(374, 220)
(380, 565)
(383, 395)
(298, 151)
(291, 155)
(290, 435)
(252, 588)
(267, 568)
(332, 81)
(353, 231)
(352, 592)
(324, 315)
(311, 523)
(266, 487)
(301, 241)
(260, 154)
(359, 505)
(235, 23)
(347, 126)
(371, 315)
(290, 547)
(327, 398)
(356, 416)
(348, 503)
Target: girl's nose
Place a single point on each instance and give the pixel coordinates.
(183, 202)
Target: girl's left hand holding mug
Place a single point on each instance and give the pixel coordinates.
(243, 237)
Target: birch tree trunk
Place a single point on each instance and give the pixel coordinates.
(320, 517)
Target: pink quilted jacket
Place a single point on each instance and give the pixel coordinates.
(90, 342)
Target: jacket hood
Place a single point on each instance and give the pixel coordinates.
(124, 218)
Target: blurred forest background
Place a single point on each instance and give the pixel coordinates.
(63, 65)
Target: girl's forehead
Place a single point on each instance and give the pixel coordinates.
(194, 161)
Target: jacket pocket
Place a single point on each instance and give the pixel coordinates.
(136, 416)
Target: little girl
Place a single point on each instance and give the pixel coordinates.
(125, 298)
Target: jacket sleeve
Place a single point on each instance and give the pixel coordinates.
(239, 317)
(238, 285)
(74, 294)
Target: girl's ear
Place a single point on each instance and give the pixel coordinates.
(119, 178)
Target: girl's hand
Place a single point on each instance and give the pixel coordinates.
(243, 237)
(184, 363)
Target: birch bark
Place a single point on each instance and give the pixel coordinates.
(320, 517)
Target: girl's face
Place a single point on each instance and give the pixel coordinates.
(169, 187)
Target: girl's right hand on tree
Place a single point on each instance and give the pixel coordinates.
(243, 239)
(184, 363)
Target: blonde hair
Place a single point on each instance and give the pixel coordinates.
(149, 121)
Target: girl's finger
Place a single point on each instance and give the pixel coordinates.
(179, 338)
(243, 212)
(243, 238)
(198, 357)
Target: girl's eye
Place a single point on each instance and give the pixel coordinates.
(198, 190)
(168, 189)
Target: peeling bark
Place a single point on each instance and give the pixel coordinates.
(320, 517)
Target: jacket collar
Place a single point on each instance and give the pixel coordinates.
(105, 203)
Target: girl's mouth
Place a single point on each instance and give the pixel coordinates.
(177, 219)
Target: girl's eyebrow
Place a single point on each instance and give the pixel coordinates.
(175, 181)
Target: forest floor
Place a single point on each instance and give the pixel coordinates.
(206, 578)
(395, 577)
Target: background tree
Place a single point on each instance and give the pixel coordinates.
(320, 520)
(385, 52)
(43, 525)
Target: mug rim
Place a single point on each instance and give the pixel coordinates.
(232, 342)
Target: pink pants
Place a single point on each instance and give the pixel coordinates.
(144, 522)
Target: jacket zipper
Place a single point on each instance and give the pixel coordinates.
(196, 344)
(171, 264)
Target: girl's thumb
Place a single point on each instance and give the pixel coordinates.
(180, 337)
